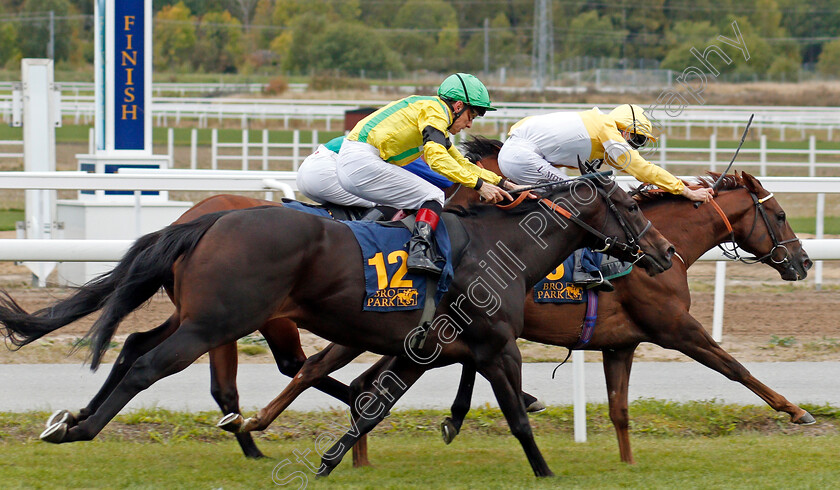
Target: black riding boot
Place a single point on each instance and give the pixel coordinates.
(421, 247)
(586, 279)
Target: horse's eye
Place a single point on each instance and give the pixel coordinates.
(633, 208)
(781, 217)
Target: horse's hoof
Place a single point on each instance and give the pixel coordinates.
(60, 416)
(805, 419)
(54, 433)
(536, 407)
(250, 424)
(448, 430)
(231, 422)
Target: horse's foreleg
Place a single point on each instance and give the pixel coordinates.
(451, 426)
(695, 342)
(314, 370)
(373, 394)
(283, 339)
(504, 373)
(617, 364)
(223, 368)
(136, 345)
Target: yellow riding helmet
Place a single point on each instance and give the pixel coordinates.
(632, 118)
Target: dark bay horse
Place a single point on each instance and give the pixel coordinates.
(231, 272)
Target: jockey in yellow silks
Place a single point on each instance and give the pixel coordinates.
(538, 145)
(371, 158)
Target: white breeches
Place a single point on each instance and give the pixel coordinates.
(317, 180)
(520, 162)
(363, 173)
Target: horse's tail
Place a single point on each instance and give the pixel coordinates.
(21, 328)
(150, 269)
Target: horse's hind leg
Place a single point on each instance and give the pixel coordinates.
(135, 346)
(693, 341)
(174, 354)
(451, 426)
(283, 339)
(223, 367)
(617, 364)
(314, 369)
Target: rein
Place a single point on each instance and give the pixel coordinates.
(733, 252)
(631, 248)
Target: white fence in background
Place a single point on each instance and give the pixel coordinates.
(9, 144)
(173, 110)
(264, 155)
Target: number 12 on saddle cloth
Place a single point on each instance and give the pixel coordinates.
(388, 285)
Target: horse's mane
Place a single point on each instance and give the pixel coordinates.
(648, 193)
(481, 146)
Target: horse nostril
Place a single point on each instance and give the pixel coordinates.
(807, 264)
(671, 251)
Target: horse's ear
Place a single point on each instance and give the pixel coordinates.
(751, 183)
(584, 167)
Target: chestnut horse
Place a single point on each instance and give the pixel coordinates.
(230, 272)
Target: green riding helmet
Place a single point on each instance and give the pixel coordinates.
(468, 89)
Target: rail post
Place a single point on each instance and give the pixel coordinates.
(579, 395)
(762, 154)
(820, 232)
(214, 148)
(193, 148)
(265, 149)
(713, 152)
(295, 149)
(170, 146)
(720, 290)
(244, 149)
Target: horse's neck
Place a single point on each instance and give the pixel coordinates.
(527, 255)
(694, 231)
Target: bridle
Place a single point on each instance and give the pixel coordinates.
(733, 252)
(630, 248)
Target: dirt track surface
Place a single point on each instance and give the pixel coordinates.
(765, 319)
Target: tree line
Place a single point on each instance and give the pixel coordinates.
(379, 37)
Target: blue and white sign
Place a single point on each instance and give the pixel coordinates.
(129, 75)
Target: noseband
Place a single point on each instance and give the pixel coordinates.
(733, 253)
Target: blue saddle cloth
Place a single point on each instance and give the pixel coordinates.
(558, 287)
(299, 206)
(388, 286)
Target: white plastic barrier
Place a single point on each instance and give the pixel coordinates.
(166, 180)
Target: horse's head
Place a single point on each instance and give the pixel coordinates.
(765, 232)
(615, 222)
